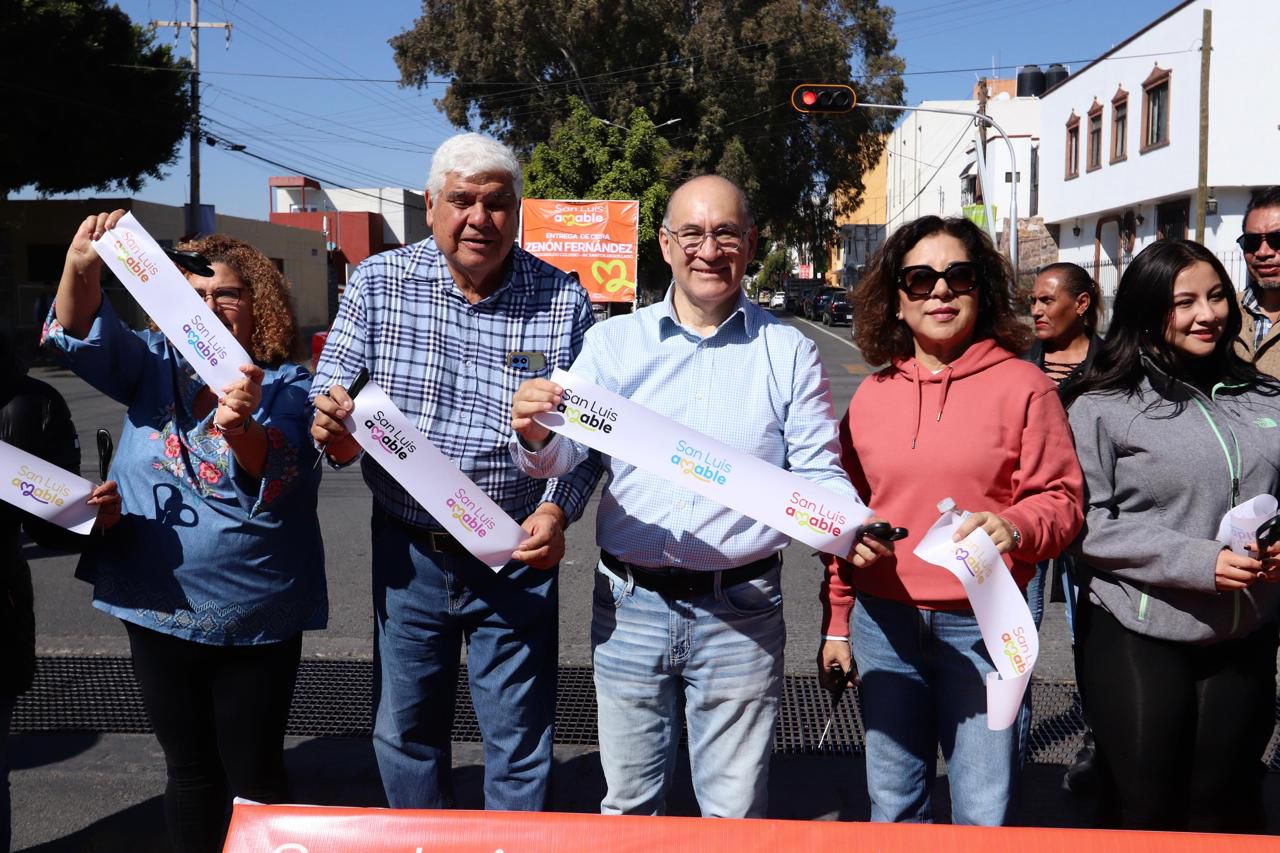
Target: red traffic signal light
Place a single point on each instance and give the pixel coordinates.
(823, 98)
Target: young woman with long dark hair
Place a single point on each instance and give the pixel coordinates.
(1177, 633)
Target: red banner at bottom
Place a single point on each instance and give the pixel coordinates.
(316, 829)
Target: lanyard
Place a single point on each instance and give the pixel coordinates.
(1234, 468)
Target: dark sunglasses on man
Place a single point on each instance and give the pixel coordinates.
(918, 281)
(1250, 243)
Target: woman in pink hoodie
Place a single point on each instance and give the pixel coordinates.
(955, 414)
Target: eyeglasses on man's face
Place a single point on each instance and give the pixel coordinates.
(1250, 243)
(918, 281)
(690, 238)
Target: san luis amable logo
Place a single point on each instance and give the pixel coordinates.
(815, 515)
(130, 253)
(36, 487)
(586, 414)
(701, 464)
(388, 436)
(466, 510)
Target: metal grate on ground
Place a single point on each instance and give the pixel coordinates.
(333, 699)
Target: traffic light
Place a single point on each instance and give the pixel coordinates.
(823, 98)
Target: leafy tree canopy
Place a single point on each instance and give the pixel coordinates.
(725, 69)
(775, 266)
(586, 158)
(78, 119)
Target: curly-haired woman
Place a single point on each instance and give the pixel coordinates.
(955, 414)
(217, 566)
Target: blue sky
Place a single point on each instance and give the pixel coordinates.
(378, 134)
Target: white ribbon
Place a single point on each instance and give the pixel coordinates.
(1008, 631)
(45, 490)
(1239, 527)
(171, 302)
(733, 478)
(433, 480)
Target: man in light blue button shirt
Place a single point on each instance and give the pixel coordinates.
(688, 599)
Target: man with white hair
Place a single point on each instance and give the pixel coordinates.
(449, 328)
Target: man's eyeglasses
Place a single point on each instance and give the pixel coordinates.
(690, 239)
(1251, 243)
(918, 281)
(227, 297)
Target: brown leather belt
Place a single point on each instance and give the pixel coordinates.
(432, 540)
(682, 584)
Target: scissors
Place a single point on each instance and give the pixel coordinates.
(885, 532)
(361, 380)
(837, 693)
(106, 449)
(193, 262)
(1268, 533)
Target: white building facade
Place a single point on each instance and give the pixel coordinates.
(933, 166)
(1120, 138)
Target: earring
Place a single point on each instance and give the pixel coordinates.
(899, 315)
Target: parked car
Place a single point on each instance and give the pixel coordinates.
(779, 300)
(836, 310)
(764, 296)
(821, 300)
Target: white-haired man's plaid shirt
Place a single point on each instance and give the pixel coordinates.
(445, 363)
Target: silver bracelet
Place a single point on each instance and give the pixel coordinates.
(835, 638)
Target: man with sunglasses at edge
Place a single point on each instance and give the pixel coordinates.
(449, 328)
(1260, 299)
(688, 597)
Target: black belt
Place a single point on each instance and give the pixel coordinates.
(432, 540)
(679, 583)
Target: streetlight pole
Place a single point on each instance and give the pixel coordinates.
(195, 24)
(983, 119)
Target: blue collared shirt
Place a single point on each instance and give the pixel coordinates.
(755, 384)
(445, 363)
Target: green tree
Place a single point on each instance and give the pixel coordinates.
(775, 266)
(586, 158)
(92, 114)
(724, 68)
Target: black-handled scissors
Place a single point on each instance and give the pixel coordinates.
(361, 380)
(106, 449)
(1267, 535)
(193, 262)
(837, 693)
(357, 385)
(885, 532)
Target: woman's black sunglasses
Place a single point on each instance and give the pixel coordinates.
(918, 281)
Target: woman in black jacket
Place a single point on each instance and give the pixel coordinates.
(35, 418)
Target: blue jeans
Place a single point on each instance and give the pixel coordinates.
(6, 819)
(721, 653)
(924, 685)
(425, 604)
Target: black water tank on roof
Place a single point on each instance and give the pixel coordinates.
(1030, 81)
(1056, 74)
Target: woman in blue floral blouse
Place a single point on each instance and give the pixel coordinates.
(216, 567)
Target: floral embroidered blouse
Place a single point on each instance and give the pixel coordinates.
(204, 551)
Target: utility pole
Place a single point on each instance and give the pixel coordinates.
(195, 24)
(1202, 184)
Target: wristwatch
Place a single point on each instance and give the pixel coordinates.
(1017, 536)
